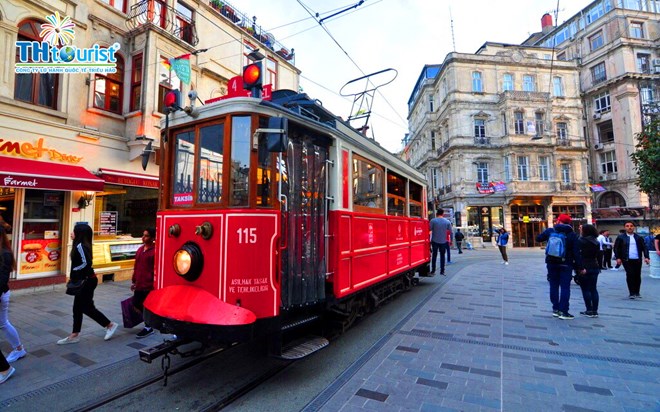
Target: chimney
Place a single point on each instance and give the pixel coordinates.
(546, 23)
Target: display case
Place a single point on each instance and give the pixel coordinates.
(115, 257)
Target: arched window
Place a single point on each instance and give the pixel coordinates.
(35, 88)
(609, 199)
(108, 89)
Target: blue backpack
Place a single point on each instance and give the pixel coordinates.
(649, 242)
(556, 246)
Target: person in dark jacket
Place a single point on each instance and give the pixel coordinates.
(588, 272)
(560, 269)
(458, 237)
(83, 302)
(143, 275)
(629, 248)
(7, 265)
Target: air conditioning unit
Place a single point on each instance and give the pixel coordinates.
(656, 62)
(602, 177)
(596, 116)
(598, 146)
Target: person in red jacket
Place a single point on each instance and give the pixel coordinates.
(143, 275)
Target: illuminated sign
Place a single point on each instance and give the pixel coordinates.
(32, 151)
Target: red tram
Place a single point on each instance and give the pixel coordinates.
(275, 213)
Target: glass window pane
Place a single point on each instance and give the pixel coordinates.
(184, 165)
(209, 183)
(240, 160)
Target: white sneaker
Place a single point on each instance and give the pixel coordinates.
(68, 340)
(16, 355)
(3, 378)
(110, 331)
(506, 263)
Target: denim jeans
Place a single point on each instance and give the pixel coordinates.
(10, 331)
(560, 277)
(442, 247)
(588, 283)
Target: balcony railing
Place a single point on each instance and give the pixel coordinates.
(163, 16)
(249, 25)
(567, 186)
(563, 142)
(524, 96)
(482, 140)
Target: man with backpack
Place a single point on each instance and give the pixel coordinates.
(562, 256)
(629, 248)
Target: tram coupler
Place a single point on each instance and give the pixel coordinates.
(169, 346)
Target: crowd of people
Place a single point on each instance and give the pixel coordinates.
(82, 273)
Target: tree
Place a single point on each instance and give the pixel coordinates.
(647, 160)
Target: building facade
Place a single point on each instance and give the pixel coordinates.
(499, 134)
(71, 143)
(615, 44)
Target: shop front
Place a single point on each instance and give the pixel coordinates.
(527, 221)
(576, 212)
(35, 205)
(482, 221)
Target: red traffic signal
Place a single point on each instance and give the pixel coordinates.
(252, 76)
(172, 100)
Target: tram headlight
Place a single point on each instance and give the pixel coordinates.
(189, 261)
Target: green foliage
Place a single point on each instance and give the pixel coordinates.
(647, 158)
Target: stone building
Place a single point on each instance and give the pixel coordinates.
(71, 143)
(499, 134)
(615, 44)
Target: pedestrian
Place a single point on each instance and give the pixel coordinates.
(630, 249)
(6, 370)
(617, 266)
(449, 242)
(81, 269)
(588, 272)
(655, 257)
(458, 237)
(603, 244)
(7, 265)
(439, 227)
(3, 224)
(143, 275)
(502, 241)
(562, 257)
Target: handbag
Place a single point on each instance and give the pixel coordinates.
(73, 287)
(129, 313)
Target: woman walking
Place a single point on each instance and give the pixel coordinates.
(7, 265)
(588, 273)
(502, 240)
(6, 370)
(81, 269)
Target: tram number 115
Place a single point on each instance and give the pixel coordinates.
(247, 235)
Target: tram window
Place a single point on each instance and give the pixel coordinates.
(240, 160)
(396, 195)
(367, 184)
(415, 191)
(264, 169)
(209, 180)
(184, 164)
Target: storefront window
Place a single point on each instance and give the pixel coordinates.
(526, 223)
(134, 211)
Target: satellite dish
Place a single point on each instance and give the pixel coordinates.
(145, 155)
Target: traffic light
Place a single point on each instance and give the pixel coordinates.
(172, 101)
(253, 77)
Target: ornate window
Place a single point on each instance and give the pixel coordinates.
(108, 89)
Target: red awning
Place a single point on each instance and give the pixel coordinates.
(120, 177)
(32, 174)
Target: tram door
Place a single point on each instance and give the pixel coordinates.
(304, 185)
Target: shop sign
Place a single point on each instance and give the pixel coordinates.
(52, 199)
(35, 151)
(182, 199)
(618, 213)
(525, 219)
(485, 188)
(131, 181)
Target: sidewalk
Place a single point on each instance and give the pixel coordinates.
(486, 340)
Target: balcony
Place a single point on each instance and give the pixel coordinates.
(563, 142)
(482, 141)
(160, 15)
(567, 186)
(248, 24)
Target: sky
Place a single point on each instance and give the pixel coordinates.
(400, 34)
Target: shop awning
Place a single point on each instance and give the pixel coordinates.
(32, 174)
(120, 177)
